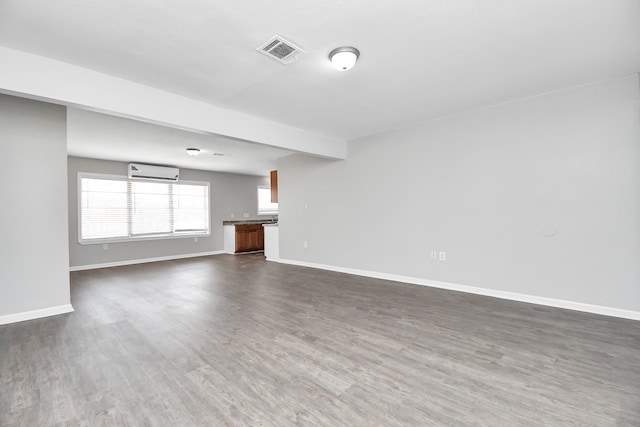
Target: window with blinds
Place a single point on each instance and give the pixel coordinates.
(117, 209)
(265, 207)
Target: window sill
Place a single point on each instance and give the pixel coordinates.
(142, 238)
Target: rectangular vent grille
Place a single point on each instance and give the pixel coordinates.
(280, 49)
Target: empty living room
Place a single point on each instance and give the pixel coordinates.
(358, 213)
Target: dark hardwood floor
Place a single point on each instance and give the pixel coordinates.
(235, 340)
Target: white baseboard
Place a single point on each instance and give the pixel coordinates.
(35, 314)
(142, 261)
(551, 302)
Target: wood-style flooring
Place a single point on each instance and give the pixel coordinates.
(235, 340)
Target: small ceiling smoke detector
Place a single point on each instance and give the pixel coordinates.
(193, 151)
(280, 49)
(344, 58)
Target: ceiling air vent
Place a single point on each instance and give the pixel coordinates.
(280, 49)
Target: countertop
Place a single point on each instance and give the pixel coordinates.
(251, 221)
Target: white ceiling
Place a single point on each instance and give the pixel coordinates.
(420, 59)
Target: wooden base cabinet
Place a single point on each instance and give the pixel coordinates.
(249, 237)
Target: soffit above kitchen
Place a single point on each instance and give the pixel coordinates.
(107, 137)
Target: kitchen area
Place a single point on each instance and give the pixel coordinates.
(255, 235)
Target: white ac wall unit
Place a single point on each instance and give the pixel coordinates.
(159, 173)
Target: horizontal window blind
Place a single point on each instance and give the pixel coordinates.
(115, 208)
(103, 209)
(264, 201)
(190, 207)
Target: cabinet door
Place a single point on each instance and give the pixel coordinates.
(261, 238)
(252, 240)
(241, 240)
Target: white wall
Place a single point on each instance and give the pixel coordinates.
(486, 187)
(34, 273)
(230, 194)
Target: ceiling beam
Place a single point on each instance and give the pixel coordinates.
(45, 79)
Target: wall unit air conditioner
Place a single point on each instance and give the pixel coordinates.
(159, 173)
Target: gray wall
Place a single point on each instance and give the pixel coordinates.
(34, 273)
(230, 194)
(538, 197)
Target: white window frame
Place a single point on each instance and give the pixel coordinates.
(264, 212)
(163, 236)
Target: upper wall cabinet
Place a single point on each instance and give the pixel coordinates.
(274, 186)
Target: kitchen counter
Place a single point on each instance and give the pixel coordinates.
(232, 228)
(250, 221)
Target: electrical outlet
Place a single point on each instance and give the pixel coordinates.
(434, 255)
(305, 244)
(105, 246)
(443, 256)
(246, 215)
(233, 215)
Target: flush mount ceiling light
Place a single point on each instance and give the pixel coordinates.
(193, 151)
(344, 58)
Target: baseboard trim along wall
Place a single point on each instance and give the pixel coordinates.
(551, 302)
(35, 314)
(142, 261)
